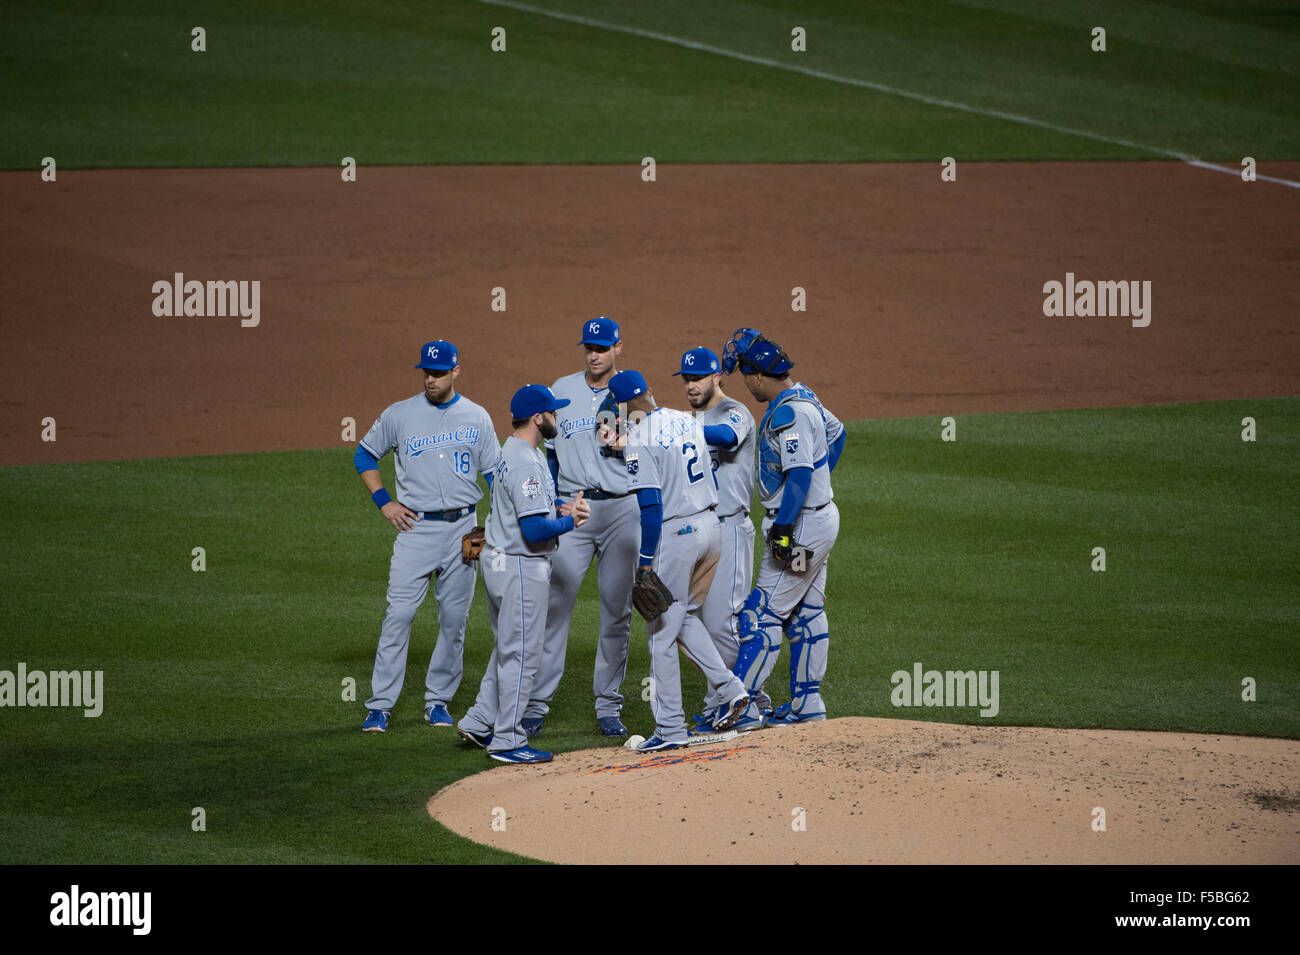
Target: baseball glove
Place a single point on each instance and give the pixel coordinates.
(471, 545)
(780, 539)
(649, 594)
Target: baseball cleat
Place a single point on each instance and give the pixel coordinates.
(784, 716)
(707, 715)
(437, 715)
(532, 725)
(747, 724)
(728, 715)
(655, 743)
(611, 726)
(376, 721)
(523, 754)
(481, 740)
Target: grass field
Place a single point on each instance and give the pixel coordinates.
(295, 83)
(223, 688)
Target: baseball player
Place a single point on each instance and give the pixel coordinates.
(729, 430)
(666, 458)
(442, 441)
(579, 462)
(799, 443)
(516, 562)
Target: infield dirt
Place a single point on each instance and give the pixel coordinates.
(858, 790)
(923, 297)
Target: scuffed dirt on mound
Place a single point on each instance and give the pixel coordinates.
(898, 791)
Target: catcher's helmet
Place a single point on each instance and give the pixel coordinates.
(755, 353)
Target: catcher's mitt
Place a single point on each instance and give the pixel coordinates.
(649, 594)
(780, 539)
(471, 545)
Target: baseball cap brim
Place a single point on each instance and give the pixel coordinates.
(627, 385)
(535, 399)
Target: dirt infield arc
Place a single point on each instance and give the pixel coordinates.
(898, 791)
(923, 297)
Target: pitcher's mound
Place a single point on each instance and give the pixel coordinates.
(873, 790)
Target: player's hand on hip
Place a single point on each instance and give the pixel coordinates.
(399, 515)
(580, 509)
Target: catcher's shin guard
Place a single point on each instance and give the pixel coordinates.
(760, 641)
(809, 646)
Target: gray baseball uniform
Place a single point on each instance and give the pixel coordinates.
(517, 576)
(440, 451)
(612, 535)
(795, 433)
(733, 468)
(667, 450)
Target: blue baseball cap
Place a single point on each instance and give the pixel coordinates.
(699, 361)
(627, 385)
(534, 399)
(439, 356)
(600, 331)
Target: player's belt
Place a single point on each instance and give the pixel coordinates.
(723, 518)
(773, 511)
(446, 515)
(689, 528)
(595, 494)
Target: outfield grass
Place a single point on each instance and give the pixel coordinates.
(298, 83)
(222, 688)
(977, 555)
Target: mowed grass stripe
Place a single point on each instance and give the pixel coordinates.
(1179, 79)
(303, 84)
(865, 84)
(222, 689)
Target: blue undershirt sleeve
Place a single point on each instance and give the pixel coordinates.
(652, 523)
(833, 453)
(720, 435)
(538, 527)
(797, 482)
(364, 460)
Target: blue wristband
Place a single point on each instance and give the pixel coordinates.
(381, 498)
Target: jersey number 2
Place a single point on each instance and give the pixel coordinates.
(692, 472)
